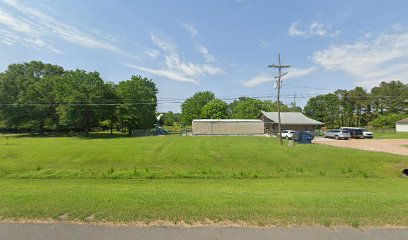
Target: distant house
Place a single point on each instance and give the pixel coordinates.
(220, 127)
(402, 125)
(289, 120)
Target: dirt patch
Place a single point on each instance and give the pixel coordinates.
(395, 146)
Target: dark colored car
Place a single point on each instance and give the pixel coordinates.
(355, 132)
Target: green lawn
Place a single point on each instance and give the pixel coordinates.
(174, 178)
(186, 157)
(391, 135)
(303, 201)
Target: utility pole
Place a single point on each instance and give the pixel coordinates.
(280, 75)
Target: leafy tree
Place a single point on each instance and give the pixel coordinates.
(138, 110)
(109, 110)
(294, 108)
(215, 109)
(387, 121)
(82, 94)
(390, 97)
(192, 107)
(359, 100)
(169, 118)
(324, 108)
(28, 90)
(249, 108)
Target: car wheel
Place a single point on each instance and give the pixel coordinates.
(336, 137)
(346, 139)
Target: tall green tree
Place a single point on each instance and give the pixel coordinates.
(139, 99)
(391, 97)
(27, 92)
(169, 118)
(110, 110)
(324, 108)
(249, 108)
(215, 109)
(81, 95)
(192, 107)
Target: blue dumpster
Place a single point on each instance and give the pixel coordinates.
(303, 137)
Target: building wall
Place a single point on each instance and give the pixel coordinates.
(401, 127)
(228, 128)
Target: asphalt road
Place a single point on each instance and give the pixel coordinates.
(40, 231)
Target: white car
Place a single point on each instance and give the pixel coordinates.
(366, 133)
(288, 134)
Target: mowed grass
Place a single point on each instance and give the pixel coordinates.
(325, 201)
(187, 157)
(391, 135)
(192, 179)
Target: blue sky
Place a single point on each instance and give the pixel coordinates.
(222, 46)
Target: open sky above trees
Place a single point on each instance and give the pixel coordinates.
(218, 46)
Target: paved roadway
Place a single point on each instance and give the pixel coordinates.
(61, 231)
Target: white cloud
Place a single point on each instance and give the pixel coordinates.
(294, 30)
(189, 28)
(263, 44)
(175, 67)
(314, 29)
(205, 53)
(258, 79)
(264, 78)
(153, 53)
(369, 61)
(38, 27)
(164, 73)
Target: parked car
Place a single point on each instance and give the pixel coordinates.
(354, 132)
(367, 134)
(288, 134)
(337, 134)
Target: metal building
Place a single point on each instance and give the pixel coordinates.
(228, 127)
(289, 121)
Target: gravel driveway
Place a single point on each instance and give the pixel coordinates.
(395, 146)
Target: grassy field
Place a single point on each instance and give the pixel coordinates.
(303, 201)
(391, 135)
(173, 178)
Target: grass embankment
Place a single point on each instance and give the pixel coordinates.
(324, 201)
(174, 178)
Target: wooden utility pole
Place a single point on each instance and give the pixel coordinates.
(279, 77)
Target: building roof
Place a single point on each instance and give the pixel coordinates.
(291, 118)
(405, 120)
(228, 120)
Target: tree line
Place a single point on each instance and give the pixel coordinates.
(36, 96)
(380, 107)
(204, 105)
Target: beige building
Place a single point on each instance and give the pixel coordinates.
(289, 121)
(402, 125)
(228, 127)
